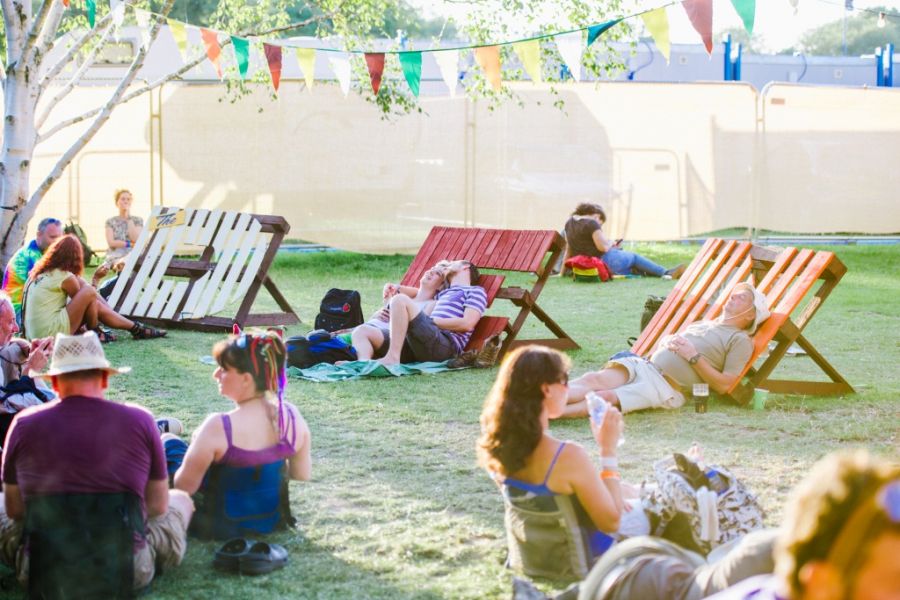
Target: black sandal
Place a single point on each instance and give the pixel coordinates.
(139, 331)
(105, 335)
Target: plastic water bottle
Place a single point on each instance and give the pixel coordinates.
(597, 408)
(716, 481)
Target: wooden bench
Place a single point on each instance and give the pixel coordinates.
(786, 276)
(525, 251)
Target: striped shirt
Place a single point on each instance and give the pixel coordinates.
(452, 304)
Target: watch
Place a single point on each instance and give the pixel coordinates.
(693, 360)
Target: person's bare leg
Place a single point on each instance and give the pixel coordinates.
(367, 340)
(601, 382)
(78, 306)
(111, 318)
(91, 319)
(403, 311)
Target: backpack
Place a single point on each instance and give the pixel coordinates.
(588, 269)
(317, 347)
(76, 230)
(651, 306)
(339, 309)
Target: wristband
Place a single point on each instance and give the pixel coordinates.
(128, 243)
(610, 474)
(609, 462)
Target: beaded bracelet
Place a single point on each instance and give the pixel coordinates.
(610, 474)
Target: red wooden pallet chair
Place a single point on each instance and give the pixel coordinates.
(786, 277)
(526, 251)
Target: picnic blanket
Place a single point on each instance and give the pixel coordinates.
(358, 369)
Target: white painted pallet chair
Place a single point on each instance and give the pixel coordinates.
(236, 251)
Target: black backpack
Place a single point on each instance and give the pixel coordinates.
(76, 230)
(318, 347)
(340, 309)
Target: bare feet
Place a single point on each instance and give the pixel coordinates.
(388, 361)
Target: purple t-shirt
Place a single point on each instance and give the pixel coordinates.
(453, 302)
(83, 445)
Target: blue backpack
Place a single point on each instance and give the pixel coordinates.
(317, 347)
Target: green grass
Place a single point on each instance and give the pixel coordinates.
(397, 507)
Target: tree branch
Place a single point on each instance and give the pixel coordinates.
(14, 38)
(75, 49)
(34, 31)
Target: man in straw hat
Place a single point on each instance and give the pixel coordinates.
(713, 352)
(58, 448)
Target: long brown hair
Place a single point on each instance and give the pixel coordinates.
(510, 418)
(64, 254)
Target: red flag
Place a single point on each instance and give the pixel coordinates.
(273, 57)
(375, 63)
(213, 49)
(700, 12)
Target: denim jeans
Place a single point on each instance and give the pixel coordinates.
(622, 262)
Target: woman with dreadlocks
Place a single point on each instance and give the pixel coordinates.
(240, 461)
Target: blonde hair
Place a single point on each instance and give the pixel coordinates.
(119, 192)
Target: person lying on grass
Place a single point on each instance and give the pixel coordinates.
(262, 434)
(714, 352)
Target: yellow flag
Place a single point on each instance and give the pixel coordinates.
(180, 35)
(529, 52)
(657, 23)
(488, 58)
(306, 58)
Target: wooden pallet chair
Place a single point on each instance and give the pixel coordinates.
(786, 277)
(236, 251)
(525, 251)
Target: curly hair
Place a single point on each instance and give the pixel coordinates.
(64, 254)
(820, 507)
(589, 208)
(510, 418)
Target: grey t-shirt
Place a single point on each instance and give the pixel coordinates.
(727, 348)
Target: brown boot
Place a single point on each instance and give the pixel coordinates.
(677, 272)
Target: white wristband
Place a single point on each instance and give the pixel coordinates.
(610, 462)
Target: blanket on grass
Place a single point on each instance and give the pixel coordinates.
(359, 369)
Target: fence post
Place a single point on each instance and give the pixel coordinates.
(888, 58)
(879, 67)
(726, 59)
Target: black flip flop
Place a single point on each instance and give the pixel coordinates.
(229, 554)
(262, 558)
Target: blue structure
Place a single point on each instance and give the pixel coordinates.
(884, 65)
(732, 59)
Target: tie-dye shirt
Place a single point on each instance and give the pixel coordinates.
(16, 274)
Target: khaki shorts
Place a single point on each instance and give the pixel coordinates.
(646, 387)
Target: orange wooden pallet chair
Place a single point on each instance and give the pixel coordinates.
(525, 251)
(786, 277)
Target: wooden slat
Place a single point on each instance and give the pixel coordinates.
(210, 227)
(131, 261)
(144, 272)
(486, 328)
(228, 240)
(252, 271)
(740, 274)
(545, 242)
(765, 286)
(161, 298)
(804, 282)
(196, 291)
(702, 307)
(174, 300)
(491, 285)
(198, 218)
(786, 278)
(171, 244)
(247, 243)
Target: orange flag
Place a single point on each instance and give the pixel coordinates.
(375, 64)
(66, 3)
(273, 57)
(488, 58)
(700, 12)
(213, 49)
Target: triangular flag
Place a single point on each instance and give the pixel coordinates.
(273, 57)
(306, 58)
(700, 12)
(92, 12)
(594, 31)
(213, 48)
(488, 58)
(747, 11)
(340, 64)
(570, 46)
(142, 18)
(179, 34)
(241, 54)
(657, 23)
(448, 63)
(117, 8)
(529, 52)
(66, 3)
(411, 63)
(375, 64)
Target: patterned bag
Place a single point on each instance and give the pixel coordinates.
(699, 519)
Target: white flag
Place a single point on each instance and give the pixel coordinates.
(340, 64)
(143, 21)
(117, 8)
(448, 63)
(570, 46)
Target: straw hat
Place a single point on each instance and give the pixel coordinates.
(73, 353)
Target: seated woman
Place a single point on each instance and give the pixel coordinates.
(122, 230)
(584, 237)
(546, 481)
(57, 300)
(238, 460)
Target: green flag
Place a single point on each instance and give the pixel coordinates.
(594, 31)
(411, 63)
(747, 11)
(92, 12)
(241, 54)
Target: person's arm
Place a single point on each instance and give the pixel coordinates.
(719, 382)
(200, 455)
(600, 242)
(462, 324)
(156, 497)
(595, 495)
(15, 504)
(135, 227)
(111, 241)
(72, 284)
(300, 464)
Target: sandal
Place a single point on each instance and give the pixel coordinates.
(139, 331)
(105, 335)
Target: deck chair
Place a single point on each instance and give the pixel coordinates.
(787, 277)
(525, 251)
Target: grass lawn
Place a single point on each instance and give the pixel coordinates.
(397, 507)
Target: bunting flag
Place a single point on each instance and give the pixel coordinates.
(117, 8)
(306, 58)
(241, 54)
(595, 31)
(448, 63)
(273, 57)
(657, 23)
(488, 58)
(411, 63)
(143, 20)
(375, 64)
(340, 64)
(179, 34)
(700, 12)
(746, 9)
(92, 12)
(570, 46)
(529, 52)
(66, 3)
(213, 48)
